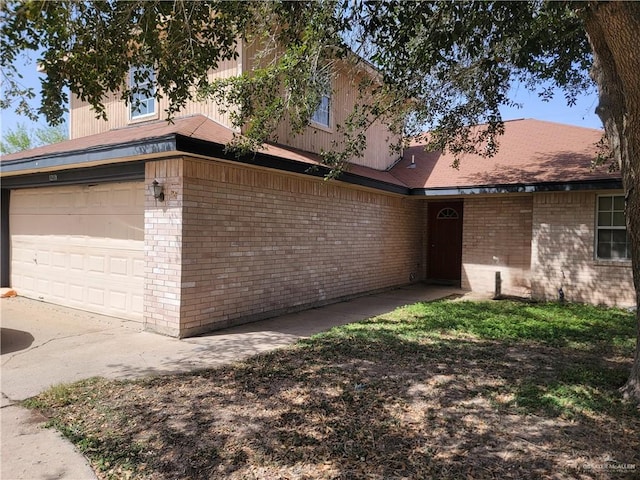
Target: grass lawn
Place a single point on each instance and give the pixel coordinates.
(443, 390)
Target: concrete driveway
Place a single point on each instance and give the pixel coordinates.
(45, 345)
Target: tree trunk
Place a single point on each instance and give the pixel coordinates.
(613, 30)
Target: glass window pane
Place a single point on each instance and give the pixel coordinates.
(142, 103)
(604, 203)
(604, 250)
(618, 203)
(619, 236)
(321, 115)
(604, 236)
(618, 219)
(141, 106)
(619, 250)
(446, 213)
(605, 219)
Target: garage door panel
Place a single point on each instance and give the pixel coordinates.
(118, 266)
(80, 246)
(28, 282)
(96, 264)
(59, 259)
(82, 200)
(43, 285)
(124, 227)
(118, 299)
(137, 304)
(59, 200)
(138, 268)
(43, 258)
(95, 296)
(76, 292)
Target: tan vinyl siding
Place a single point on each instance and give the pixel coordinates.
(83, 120)
(317, 138)
(314, 138)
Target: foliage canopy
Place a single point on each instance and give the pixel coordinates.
(442, 65)
(22, 137)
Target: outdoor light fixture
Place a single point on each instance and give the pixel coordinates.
(158, 194)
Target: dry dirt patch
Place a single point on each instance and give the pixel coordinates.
(363, 407)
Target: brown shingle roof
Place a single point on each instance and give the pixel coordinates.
(186, 126)
(196, 127)
(530, 152)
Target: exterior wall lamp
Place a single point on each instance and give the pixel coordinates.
(158, 194)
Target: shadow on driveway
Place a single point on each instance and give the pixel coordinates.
(48, 344)
(12, 340)
(45, 345)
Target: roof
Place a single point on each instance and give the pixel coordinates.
(191, 134)
(532, 155)
(530, 152)
(187, 126)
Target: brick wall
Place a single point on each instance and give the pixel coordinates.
(255, 243)
(563, 253)
(163, 248)
(232, 244)
(496, 237)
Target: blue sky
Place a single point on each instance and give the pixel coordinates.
(8, 118)
(581, 114)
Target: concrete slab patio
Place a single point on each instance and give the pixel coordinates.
(45, 345)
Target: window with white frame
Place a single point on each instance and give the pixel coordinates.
(143, 103)
(322, 115)
(612, 241)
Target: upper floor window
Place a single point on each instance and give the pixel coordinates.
(143, 104)
(322, 115)
(612, 241)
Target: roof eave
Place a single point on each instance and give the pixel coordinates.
(29, 171)
(177, 143)
(571, 186)
(90, 156)
(261, 159)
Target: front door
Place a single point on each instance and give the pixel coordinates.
(444, 257)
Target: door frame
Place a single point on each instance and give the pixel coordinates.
(433, 250)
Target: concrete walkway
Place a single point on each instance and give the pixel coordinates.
(45, 345)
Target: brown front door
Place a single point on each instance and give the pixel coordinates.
(444, 256)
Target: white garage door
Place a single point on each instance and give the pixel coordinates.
(80, 246)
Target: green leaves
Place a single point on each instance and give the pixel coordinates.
(89, 47)
(457, 60)
(22, 138)
(441, 66)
